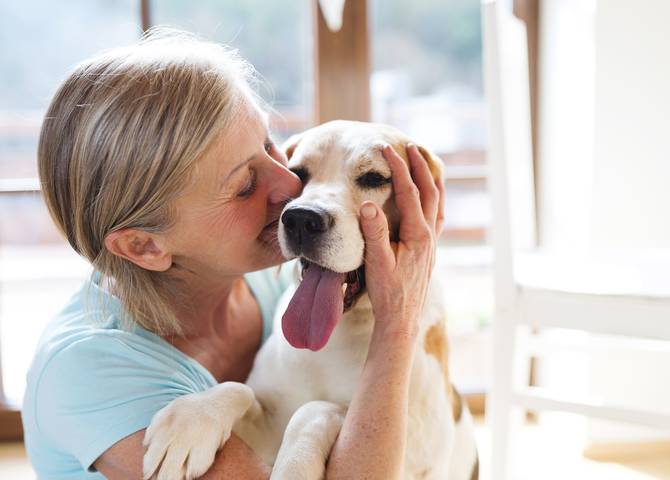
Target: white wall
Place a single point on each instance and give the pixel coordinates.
(565, 135)
(631, 189)
(604, 166)
(632, 125)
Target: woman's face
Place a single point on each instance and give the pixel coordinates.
(226, 218)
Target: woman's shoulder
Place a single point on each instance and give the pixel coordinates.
(92, 317)
(89, 339)
(92, 382)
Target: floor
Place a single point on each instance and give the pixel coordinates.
(544, 449)
(13, 462)
(551, 449)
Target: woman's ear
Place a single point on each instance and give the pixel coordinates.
(142, 248)
(289, 145)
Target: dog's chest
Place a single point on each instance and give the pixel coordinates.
(333, 374)
(430, 427)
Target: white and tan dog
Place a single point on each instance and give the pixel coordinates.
(292, 407)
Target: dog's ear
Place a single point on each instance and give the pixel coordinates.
(434, 163)
(289, 145)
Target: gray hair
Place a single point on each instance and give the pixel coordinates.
(121, 139)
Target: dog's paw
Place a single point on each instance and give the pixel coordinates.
(183, 437)
(307, 441)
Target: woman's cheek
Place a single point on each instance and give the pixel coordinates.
(247, 219)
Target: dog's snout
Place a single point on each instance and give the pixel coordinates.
(303, 225)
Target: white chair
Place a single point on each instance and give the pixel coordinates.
(611, 293)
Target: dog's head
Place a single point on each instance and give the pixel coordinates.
(341, 165)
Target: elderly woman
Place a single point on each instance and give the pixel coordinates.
(157, 165)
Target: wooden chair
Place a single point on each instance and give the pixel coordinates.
(619, 293)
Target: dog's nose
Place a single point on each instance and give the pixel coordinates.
(303, 225)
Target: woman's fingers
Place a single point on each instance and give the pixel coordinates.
(378, 253)
(439, 223)
(423, 178)
(407, 196)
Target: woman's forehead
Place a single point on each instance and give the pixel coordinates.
(234, 144)
(252, 122)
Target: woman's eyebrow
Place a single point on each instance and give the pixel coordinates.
(232, 172)
(267, 136)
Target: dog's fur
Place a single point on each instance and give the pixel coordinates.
(294, 402)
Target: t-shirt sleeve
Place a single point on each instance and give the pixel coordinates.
(100, 389)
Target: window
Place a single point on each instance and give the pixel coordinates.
(39, 43)
(274, 35)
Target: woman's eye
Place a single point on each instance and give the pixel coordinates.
(372, 180)
(269, 146)
(250, 187)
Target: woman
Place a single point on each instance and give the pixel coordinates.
(157, 165)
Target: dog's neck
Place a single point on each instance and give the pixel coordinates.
(357, 322)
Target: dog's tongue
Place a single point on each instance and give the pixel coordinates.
(315, 309)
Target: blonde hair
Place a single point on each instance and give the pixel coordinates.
(119, 142)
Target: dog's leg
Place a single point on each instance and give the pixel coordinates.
(184, 436)
(307, 442)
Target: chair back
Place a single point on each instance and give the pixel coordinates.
(510, 157)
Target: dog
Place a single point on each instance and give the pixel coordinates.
(293, 404)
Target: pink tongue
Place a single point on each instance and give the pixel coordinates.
(315, 309)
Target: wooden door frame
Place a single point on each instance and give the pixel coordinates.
(342, 65)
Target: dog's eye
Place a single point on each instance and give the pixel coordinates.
(301, 173)
(372, 180)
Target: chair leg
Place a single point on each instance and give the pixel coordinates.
(510, 369)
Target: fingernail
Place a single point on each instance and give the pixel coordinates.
(368, 211)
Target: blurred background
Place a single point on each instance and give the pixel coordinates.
(418, 66)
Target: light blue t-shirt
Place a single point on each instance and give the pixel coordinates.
(93, 383)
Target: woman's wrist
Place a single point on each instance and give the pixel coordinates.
(393, 339)
(401, 328)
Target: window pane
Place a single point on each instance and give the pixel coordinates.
(427, 80)
(38, 273)
(274, 35)
(427, 71)
(40, 41)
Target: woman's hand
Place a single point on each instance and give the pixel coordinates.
(372, 441)
(397, 274)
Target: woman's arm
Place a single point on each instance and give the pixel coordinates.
(123, 461)
(371, 443)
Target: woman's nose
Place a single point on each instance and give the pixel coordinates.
(285, 184)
